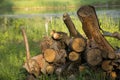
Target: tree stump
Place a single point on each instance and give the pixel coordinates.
(91, 27)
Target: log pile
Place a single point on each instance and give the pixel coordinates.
(65, 55)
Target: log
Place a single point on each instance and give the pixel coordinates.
(82, 68)
(70, 25)
(93, 57)
(32, 67)
(41, 62)
(35, 65)
(113, 75)
(106, 65)
(46, 43)
(90, 25)
(50, 69)
(77, 44)
(52, 55)
(58, 44)
(74, 56)
(58, 35)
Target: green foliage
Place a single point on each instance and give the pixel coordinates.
(12, 49)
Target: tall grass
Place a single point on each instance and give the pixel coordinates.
(12, 49)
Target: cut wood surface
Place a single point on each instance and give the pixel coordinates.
(113, 75)
(90, 25)
(50, 69)
(74, 56)
(51, 55)
(93, 57)
(106, 65)
(77, 44)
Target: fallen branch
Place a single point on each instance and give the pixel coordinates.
(114, 34)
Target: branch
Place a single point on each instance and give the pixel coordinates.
(26, 44)
(70, 25)
(114, 34)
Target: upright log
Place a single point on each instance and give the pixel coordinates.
(90, 25)
(70, 25)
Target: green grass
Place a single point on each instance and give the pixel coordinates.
(12, 49)
(35, 3)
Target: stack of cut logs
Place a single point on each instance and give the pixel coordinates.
(68, 55)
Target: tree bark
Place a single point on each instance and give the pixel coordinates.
(26, 44)
(90, 25)
(46, 43)
(35, 65)
(70, 25)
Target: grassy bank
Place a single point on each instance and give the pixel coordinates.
(12, 49)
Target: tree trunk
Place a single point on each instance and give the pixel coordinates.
(91, 27)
